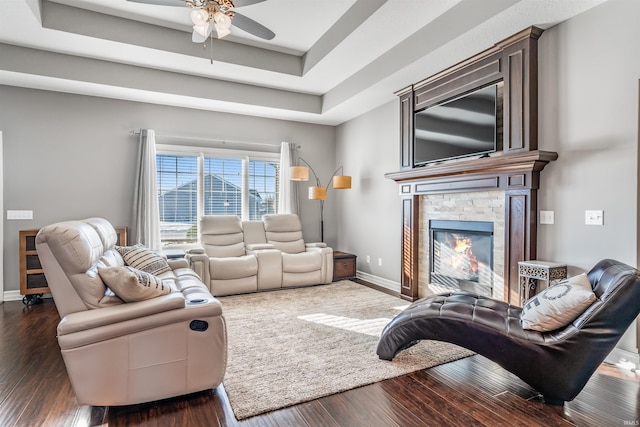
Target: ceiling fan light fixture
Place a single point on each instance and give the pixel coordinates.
(222, 32)
(209, 15)
(222, 23)
(203, 29)
(222, 20)
(200, 17)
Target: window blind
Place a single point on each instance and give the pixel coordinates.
(192, 185)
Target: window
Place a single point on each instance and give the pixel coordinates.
(191, 185)
(223, 187)
(263, 188)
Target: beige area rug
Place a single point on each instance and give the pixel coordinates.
(292, 346)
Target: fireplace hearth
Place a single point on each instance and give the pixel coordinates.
(461, 256)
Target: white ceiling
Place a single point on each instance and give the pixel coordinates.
(330, 61)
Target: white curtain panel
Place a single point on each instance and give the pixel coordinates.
(286, 195)
(146, 213)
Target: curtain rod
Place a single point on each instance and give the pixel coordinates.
(223, 141)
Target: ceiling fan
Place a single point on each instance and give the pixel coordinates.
(218, 15)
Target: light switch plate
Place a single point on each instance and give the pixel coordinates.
(594, 217)
(19, 214)
(546, 217)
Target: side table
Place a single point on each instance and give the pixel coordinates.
(344, 265)
(530, 272)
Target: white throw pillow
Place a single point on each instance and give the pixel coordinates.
(133, 285)
(558, 305)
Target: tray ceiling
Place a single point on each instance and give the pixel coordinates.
(330, 61)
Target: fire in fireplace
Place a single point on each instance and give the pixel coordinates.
(461, 255)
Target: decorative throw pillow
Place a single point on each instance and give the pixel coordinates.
(558, 305)
(144, 259)
(133, 285)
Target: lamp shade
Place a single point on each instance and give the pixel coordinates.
(317, 193)
(299, 173)
(341, 182)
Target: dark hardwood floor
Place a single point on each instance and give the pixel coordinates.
(35, 391)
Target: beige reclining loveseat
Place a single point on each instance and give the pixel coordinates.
(248, 256)
(119, 353)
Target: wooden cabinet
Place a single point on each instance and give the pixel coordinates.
(32, 281)
(344, 266)
(513, 63)
(122, 236)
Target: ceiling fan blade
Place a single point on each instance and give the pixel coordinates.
(241, 3)
(196, 37)
(252, 27)
(161, 2)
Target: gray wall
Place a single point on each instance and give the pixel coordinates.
(589, 74)
(71, 157)
(588, 105)
(370, 214)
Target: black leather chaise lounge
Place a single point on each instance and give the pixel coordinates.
(557, 364)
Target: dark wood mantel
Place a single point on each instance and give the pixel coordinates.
(522, 162)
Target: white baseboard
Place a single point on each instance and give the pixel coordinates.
(624, 358)
(12, 296)
(379, 281)
(17, 296)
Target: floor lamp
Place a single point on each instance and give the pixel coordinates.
(318, 192)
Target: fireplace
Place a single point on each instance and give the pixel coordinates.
(514, 170)
(461, 256)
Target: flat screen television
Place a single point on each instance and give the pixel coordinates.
(458, 127)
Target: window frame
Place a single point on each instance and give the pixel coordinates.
(221, 153)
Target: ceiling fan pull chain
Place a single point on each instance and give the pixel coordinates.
(211, 44)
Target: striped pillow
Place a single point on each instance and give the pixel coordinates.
(144, 259)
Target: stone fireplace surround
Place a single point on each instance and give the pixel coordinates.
(481, 206)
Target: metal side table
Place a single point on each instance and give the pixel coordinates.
(530, 272)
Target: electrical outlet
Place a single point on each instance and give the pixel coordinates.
(546, 217)
(594, 217)
(368, 259)
(379, 262)
(19, 214)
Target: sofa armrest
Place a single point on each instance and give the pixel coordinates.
(320, 249)
(178, 263)
(327, 262)
(99, 325)
(259, 246)
(199, 262)
(195, 251)
(95, 318)
(269, 268)
(315, 245)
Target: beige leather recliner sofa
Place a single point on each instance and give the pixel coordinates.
(248, 256)
(119, 353)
